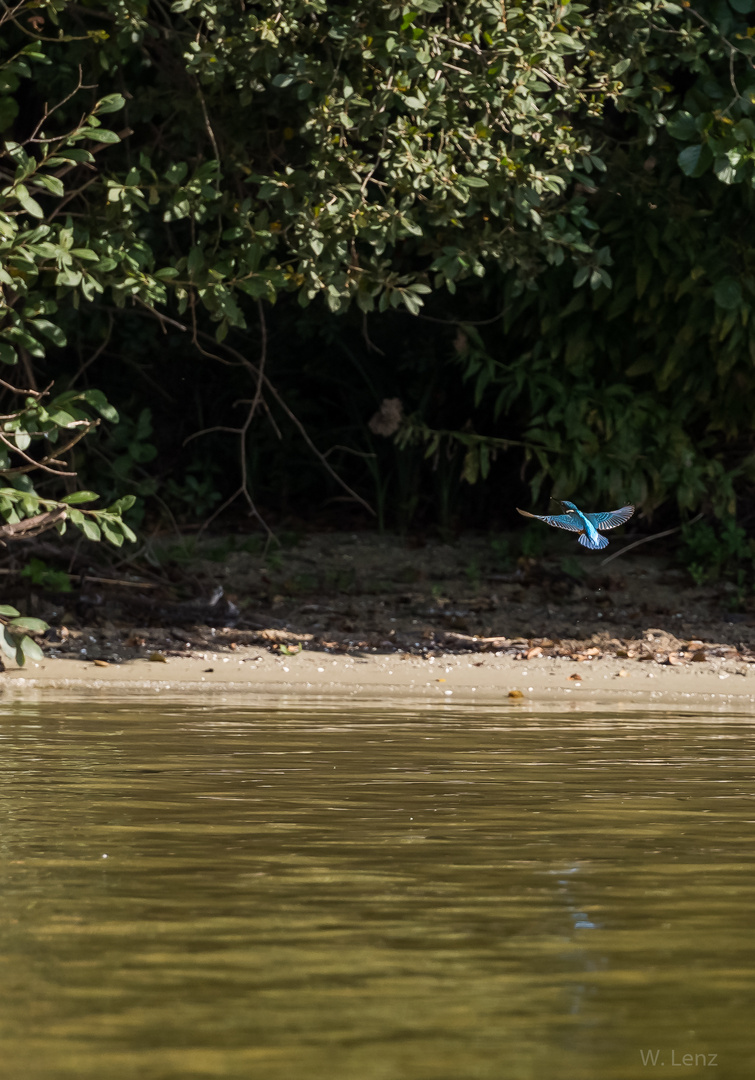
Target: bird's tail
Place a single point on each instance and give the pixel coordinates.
(594, 545)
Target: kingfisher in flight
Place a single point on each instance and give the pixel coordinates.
(589, 526)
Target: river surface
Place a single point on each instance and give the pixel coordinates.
(296, 891)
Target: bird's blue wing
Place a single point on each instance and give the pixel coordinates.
(570, 522)
(611, 518)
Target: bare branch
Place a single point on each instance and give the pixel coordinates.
(243, 431)
(17, 390)
(33, 526)
(647, 539)
(49, 111)
(209, 430)
(32, 463)
(98, 351)
(254, 369)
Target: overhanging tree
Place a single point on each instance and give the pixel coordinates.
(199, 162)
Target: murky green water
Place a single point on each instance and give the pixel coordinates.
(436, 893)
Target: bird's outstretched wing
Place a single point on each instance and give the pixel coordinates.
(559, 521)
(611, 518)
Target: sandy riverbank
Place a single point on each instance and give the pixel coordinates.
(372, 616)
(452, 677)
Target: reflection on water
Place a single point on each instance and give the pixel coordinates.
(295, 893)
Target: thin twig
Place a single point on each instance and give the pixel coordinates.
(97, 580)
(454, 322)
(210, 133)
(69, 195)
(243, 431)
(349, 450)
(96, 149)
(303, 431)
(49, 458)
(49, 111)
(647, 539)
(243, 361)
(28, 367)
(263, 357)
(209, 431)
(98, 351)
(17, 390)
(32, 463)
(165, 320)
(33, 526)
(369, 343)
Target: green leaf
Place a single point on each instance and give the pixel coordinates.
(103, 135)
(8, 644)
(74, 154)
(31, 206)
(682, 125)
(744, 130)
(581, 276)
(111, 531)
(724, 170)
(8, 112)
(26, 622)
(99, 402)
(110, 104)
(6, 609)
(599, 277)
(50, 330)
(80, 497)
(128, 532)
(471, 467)
(8, 354)
(89, 528)
(688, 159)
(643, 275)
(695, 160)
(52, 183)
(30, 649)
(122, 505)
(176, 172)
(727, 293)
(412, 303)
(62, 417)
(195, 261)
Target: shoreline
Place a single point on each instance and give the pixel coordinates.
(446, 677)
(367, 616)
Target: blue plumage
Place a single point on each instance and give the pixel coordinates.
(589, 526)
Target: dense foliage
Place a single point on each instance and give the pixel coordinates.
(264, 203)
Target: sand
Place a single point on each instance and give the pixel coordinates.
(248, 673)
(368, 616)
